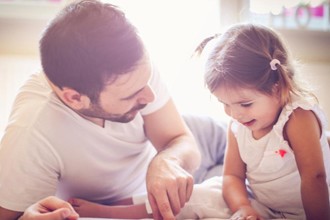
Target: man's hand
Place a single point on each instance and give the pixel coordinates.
(169, 187)
(50, 208)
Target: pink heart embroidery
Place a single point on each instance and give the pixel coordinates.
(281, 152)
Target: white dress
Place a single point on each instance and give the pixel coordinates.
(272, 173)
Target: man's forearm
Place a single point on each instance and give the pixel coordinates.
(184, 150)
(6, 214)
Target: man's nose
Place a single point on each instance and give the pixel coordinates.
(146, 96)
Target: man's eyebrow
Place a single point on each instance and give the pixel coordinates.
(132, 95)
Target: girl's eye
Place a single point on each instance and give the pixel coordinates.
(246, 104)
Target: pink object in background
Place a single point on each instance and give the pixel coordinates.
(318, 11)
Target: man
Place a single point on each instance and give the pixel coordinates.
(98, 123)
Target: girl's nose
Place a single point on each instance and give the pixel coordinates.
(236, 114)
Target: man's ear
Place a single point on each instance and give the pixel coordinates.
(74, 99)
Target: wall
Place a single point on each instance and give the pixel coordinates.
(20, 31)
(312, 50)
(170, 37)
(20, 28)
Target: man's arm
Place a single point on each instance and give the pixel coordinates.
(6, 214)
(169, 179)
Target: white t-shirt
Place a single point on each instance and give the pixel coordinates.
(48, 149)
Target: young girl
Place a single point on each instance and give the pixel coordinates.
(277, 162)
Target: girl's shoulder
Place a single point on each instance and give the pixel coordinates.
(300, 118)
(297, 109)
(302, 123)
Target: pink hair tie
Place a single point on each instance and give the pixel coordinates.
(273, 64)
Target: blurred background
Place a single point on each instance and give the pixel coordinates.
(172, 30)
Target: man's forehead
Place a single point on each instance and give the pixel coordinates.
(143, 65)
(128, 84)
(142, 71)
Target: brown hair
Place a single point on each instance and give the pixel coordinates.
(241, 58)
(87, 44)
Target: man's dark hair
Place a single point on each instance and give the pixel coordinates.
(88, 44)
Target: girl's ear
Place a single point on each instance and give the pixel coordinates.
(276, 90)
(74, 99)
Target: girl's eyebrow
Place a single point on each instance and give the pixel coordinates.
(239, 102)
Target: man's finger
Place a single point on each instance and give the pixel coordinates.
(189, 188)
(58, 209)
(59, 214)
(54, 203)
(163, 205)
(153, 204)
(183, 194)
(175, 200)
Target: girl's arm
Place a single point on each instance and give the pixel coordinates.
(303, 131)
(234, 188)
(121, 210)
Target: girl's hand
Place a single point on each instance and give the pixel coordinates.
(246, 213)
(84, 208)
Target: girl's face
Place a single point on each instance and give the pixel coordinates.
(255, 110)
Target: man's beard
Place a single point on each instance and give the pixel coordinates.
(96, 111)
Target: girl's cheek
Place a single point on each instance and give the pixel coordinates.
(227, 111)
